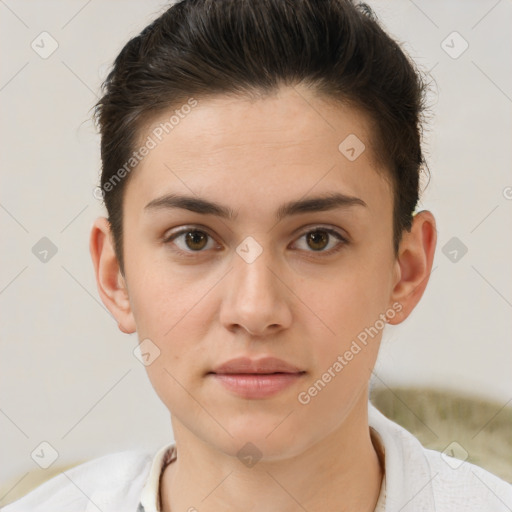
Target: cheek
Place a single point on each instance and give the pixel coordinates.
(161, 296)
(347, 303)
(170, 309)
(174, 322)
(344, 344)
(343, 319)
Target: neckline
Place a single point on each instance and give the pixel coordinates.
(378, 445)
(169, 454)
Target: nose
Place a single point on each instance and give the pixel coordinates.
(256, 298)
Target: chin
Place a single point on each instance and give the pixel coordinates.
(272, 437)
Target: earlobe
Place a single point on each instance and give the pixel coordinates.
(415, 259)
(109, 280)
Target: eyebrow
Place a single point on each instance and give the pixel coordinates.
(205, 207)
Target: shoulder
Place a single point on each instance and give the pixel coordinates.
(417, 478)
(461, 485)
(109, 483)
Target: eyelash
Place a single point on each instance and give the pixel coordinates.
(190, 253)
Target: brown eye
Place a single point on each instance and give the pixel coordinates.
(317, 240)
(323, 241)
(196, 240)
(190, 240)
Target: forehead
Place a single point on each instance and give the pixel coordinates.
(259, 151)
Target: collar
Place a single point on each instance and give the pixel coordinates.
(150, 496)
(408, 483)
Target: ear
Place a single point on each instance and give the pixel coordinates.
(109, 279)
(414, 264)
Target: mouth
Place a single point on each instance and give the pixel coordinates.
(265, 365)
(256, 379)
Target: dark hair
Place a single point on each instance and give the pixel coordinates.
(202, 48)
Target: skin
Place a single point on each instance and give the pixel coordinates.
(292, 302)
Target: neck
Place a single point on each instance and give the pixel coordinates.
(340, 472)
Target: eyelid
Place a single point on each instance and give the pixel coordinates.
(323, 227)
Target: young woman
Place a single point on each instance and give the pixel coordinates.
(261, 164)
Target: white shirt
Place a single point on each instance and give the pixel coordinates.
(416, 479)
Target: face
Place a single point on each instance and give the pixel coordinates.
(299, 284)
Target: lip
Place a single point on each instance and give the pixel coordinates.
(264, 365)
(256, 379)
